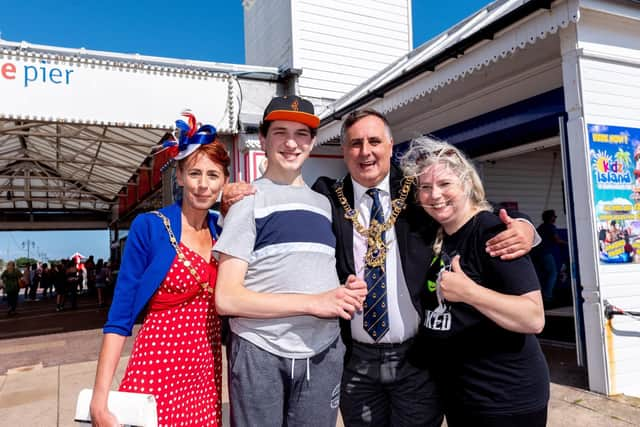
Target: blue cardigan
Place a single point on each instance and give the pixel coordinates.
(148, 255)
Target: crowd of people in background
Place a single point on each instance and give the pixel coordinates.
(63, 280)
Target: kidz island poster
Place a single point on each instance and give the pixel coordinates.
(615, 170)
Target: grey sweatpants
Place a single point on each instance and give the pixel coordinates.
(266, 390)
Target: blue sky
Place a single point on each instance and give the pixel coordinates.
(190, 29)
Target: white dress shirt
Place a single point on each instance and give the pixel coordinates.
(403, 317)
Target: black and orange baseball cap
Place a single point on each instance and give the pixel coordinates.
(291, 108)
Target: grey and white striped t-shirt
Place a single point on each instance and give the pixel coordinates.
(284, 233)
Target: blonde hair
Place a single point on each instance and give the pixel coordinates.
(425, 152)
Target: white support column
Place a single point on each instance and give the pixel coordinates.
(251, 157)
(583, 208)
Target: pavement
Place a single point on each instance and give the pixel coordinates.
(42, 372)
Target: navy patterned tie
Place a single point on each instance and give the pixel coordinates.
(376, 316)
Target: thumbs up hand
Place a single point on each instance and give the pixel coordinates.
(455, 285)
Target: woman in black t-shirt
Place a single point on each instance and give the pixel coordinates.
(481, 313)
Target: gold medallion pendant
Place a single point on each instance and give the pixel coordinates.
(376, 246)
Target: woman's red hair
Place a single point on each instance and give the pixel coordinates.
(216, 152)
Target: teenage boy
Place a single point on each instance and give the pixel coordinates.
(277, 279)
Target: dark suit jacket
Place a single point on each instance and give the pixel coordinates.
(415, 231)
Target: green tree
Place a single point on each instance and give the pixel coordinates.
(22, 262)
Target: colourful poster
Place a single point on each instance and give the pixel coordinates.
(615, 170)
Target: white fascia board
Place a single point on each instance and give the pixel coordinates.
(329, 132)
(126, 60)
(627, 9)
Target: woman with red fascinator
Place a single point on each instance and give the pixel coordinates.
(167, 264)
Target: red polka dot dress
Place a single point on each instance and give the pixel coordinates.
(177, 353)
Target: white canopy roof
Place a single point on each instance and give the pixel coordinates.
(75, 124)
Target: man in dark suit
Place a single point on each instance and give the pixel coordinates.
(381, 384)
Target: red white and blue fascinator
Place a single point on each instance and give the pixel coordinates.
(188, 137)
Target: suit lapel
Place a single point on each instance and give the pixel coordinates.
(401, 225)
(346, 227)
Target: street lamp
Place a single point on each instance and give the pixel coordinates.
(28, 244)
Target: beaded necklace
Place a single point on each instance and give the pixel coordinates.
(181, 257)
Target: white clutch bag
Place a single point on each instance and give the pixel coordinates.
(133, 409)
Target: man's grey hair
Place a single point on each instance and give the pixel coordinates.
(356, 115)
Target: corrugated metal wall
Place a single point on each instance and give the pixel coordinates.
(532, 180)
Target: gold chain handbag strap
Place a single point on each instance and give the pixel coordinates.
(376, 247)
(181, 257)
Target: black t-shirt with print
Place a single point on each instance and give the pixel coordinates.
(479, 365)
